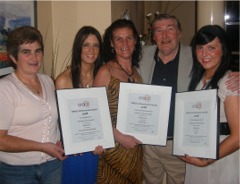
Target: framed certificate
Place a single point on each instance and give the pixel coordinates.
(85, 119)
(143, 112)
(196, 124)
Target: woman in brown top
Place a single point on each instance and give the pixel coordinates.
(122, 52)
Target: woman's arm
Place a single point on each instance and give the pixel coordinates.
(15, 144)
(233, 82)
(231, 143)
(127, 141)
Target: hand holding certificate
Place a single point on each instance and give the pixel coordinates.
(143, 112)
(195, 127)
(85, 119)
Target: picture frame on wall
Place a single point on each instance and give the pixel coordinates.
(13, 14)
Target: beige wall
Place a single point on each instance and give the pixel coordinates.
(135, 9)
(59, 22)
(210, 12)
(183, 10)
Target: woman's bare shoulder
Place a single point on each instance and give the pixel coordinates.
(103, 76)
(104, 69)
(64, 80)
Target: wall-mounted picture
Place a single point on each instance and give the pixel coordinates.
(13, 14)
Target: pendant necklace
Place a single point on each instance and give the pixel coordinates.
(85, 81)
(130, 76)
(35, 90)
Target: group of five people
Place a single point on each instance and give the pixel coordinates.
(30, 146)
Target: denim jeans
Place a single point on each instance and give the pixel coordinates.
(46, 173)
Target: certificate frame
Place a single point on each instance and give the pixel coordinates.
(85, 120)
(196, 130)
(143, 112)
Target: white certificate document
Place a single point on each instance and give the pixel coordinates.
(196, 124)
(143, 112)
(85, 119)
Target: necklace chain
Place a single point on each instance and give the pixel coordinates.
(86, 83)
(130, 76)
(36, 90)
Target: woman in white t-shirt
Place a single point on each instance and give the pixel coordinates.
(211, 56)
(30, 149)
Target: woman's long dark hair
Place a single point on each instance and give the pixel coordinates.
(205, 35)
(80, 37)
(108, 50)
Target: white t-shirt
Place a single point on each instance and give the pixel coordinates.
(223, 92)
(28, 116)
(225, 170)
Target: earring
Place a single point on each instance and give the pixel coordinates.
(113, 50)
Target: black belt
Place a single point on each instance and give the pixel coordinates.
(224, 129)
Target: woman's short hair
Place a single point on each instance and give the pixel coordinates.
(19, 36)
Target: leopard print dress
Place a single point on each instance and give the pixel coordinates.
(119, 165)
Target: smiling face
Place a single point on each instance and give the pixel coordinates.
(210, 55)
(123, 42)
(90, 49)
(29, 58)
(166, 35)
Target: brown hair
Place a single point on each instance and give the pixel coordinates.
(19, 36)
